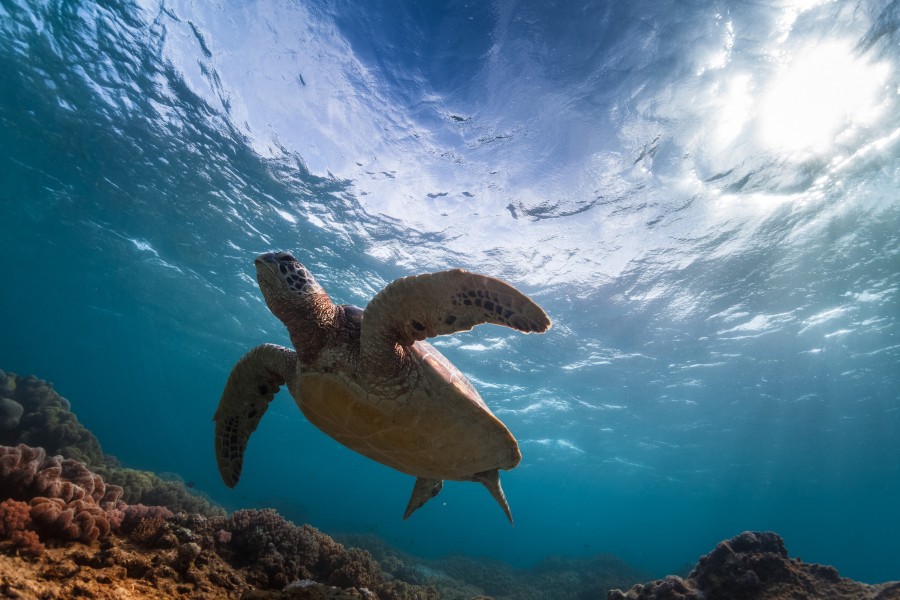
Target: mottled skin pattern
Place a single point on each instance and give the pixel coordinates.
(367, 378)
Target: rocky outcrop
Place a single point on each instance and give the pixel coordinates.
(756, 566)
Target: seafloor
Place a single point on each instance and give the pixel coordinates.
(74, 523)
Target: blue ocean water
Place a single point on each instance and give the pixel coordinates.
(702, 195)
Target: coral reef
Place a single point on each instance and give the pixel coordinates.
(66, 500)
(74, 523)
(148, 488)
(94, 534)
(32, 413)
(45, 420)
(274, 552)
(756, 566)
(464, 577)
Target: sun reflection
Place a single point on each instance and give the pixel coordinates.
(735, 109)
(817, 95)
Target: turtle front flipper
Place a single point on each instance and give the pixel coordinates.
(423, 306)
(423, 491)
(252, 384)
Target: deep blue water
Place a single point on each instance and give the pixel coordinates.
(702, 195)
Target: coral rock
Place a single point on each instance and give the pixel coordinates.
(10, 413)
(755, 566)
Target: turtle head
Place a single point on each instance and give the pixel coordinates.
(292, 293)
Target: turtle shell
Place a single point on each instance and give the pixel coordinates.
(433, 425)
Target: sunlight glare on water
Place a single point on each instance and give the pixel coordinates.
(819, 96)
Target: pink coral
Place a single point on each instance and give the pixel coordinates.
(13, 517)
(134, 513)
(67, 501)
(15, 520)
(27, 542)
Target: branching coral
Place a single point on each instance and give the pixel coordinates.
(347, 567)
(14, 516)
(177, 497)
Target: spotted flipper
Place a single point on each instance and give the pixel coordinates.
(253, 383)
(423, 306)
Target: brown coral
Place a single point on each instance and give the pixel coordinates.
(274, 550)
(27, 542)
(76, 520)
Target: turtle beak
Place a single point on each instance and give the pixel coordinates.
(266, 266)
(268, 257)
(274, 258)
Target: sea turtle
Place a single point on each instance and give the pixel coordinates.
(367, 378)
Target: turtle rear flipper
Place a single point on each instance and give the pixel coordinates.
(252, 384)
(491, 480)
(424, 490)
